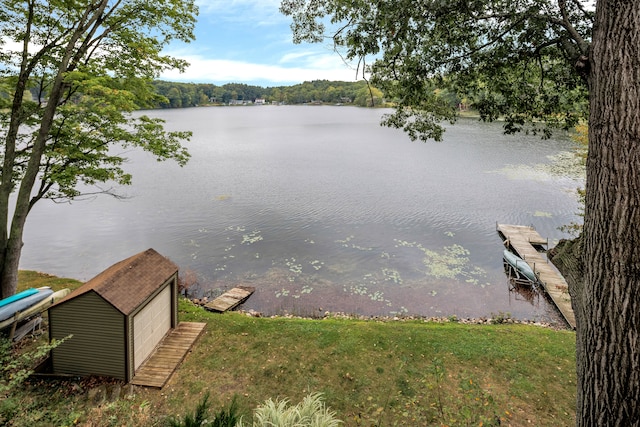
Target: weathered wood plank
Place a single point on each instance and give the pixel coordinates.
(230, 299)
(521, 239)
(157, 370)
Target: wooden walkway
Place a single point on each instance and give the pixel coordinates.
(521, 240)
(159, 367)
(230, 299)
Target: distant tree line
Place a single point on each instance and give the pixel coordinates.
(181, 95)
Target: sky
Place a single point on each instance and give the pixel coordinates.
(250, 41)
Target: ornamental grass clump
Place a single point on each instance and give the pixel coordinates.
(311, 412)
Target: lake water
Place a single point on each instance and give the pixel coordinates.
(321, 209)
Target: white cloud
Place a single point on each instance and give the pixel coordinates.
(220, 71)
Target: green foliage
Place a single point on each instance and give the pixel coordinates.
(176, 95)
(435, 400)
(383, 373)
(500, 318)
(512, 60)
(16, 367)
(311, 412)
(200, 418)
(67, 88)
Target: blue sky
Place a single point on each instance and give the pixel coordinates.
(249, 41)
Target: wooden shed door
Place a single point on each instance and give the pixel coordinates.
(150, 325)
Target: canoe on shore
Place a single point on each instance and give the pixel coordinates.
(35, 309)
(22, 304)
(18, 296)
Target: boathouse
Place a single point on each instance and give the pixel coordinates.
(117, 318)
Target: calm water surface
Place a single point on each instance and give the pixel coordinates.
(321, 209)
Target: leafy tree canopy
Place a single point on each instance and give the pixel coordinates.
(512, 59)
(70, 72)
(192, 94)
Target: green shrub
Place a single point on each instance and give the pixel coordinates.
(224, 418)
(311, 412)
(16, 367)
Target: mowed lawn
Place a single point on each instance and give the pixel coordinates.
(371, 373)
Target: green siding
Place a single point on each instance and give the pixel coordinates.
(98, 343)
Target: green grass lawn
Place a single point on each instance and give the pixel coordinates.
(371, 373)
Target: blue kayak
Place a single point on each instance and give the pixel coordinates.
(21, 304)
(520, 266)
(18, 296)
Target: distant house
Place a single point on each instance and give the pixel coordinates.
(117, 318)
(259, 101)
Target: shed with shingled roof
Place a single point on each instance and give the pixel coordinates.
(117, 318)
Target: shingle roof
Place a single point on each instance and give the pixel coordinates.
(128, 283)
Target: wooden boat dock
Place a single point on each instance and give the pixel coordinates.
(162, 363)
(230, 299)
(524, 240)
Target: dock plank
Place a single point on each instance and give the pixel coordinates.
(163, 362)
(230, 299)
(521, 239)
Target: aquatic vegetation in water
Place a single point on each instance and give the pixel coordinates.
(566, 164)
(450, 234)
(451, 262)
(309, 241)
(358, 289)
(446, 264)
(391, 275)
(235, 228)
(377, 296)
(347, 243)
(192, 243)
(362, 289)
(543, 214)
(317, 265)
(293, 266)
(401, 311)
(282, 293)
(252, 237)
(405, 244)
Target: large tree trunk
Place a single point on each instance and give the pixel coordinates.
(607, 302)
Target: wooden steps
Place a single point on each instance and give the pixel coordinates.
(158, 368)
(230, 299)
(522, 240)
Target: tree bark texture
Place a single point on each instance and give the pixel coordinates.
(607, 302)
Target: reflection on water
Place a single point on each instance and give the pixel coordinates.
(320, 209)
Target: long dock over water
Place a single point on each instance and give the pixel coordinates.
(523, 240)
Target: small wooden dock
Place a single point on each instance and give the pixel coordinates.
(159, 367)
(523, 241)
(230, 299)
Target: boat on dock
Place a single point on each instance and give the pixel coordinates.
(522, 270)
(526, 243)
